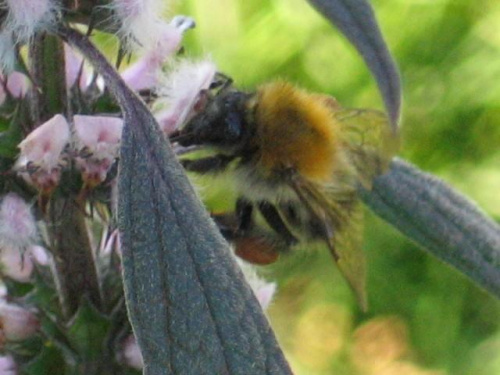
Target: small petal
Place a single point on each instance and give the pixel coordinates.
(17, 323)
(144, 73)
(263, 290)
(74, 68)
(15, 264)
(16, 83)
(40, 255)
(7, 365)
(40, 158)
(132, 356)
(97, 143)
(181, 90)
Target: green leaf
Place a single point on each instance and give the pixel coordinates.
(10, 138)
(87, 331)
(49, 361)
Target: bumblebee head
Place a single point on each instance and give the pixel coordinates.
(222, 123)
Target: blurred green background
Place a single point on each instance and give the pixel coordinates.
(424, 317)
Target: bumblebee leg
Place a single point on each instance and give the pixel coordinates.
(211, 164)
(244, 212)
(273, 218)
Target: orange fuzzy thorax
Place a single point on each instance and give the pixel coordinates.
(295, 130)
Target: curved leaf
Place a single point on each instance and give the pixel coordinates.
(439, 219)
(356, 20)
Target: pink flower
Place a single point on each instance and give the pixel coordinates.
(74, 68)
(18, 233)
(16, 84)
(17, 323)
(15, 264)
(40, 160)
(17, 224)
(39, 255)
(131, 353)
(144, 73)
(263, 290)
(181, 90)
(7, 365)
(97, 144)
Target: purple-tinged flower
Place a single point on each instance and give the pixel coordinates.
(131, 354)
(145, 72)
(15, 264)
(17, 323)
(7, 365)
(97, 141)
(181, 90)
(75, 69)
(18, 228)
(263, 290)
(41, 160)
(18, 233)
(39, 255)
(16, 84)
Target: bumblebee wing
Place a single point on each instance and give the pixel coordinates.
(369, 141)
(342, 221)
(352, 262)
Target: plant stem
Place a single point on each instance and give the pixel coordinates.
(75, 274)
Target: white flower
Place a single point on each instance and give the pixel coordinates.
(180, 91)
(40, 160)
(144, 73)
(97, 142)
(24, 18)
(139, 20)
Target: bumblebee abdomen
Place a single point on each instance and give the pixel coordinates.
(295, 130)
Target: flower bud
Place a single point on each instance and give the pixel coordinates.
(16, 84)
(7, 365)
(131, 353)
(17, 323)
(40, 160)
(97, 142)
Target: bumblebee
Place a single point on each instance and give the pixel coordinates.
(298, 159)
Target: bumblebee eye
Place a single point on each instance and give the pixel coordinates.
(233, 125)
